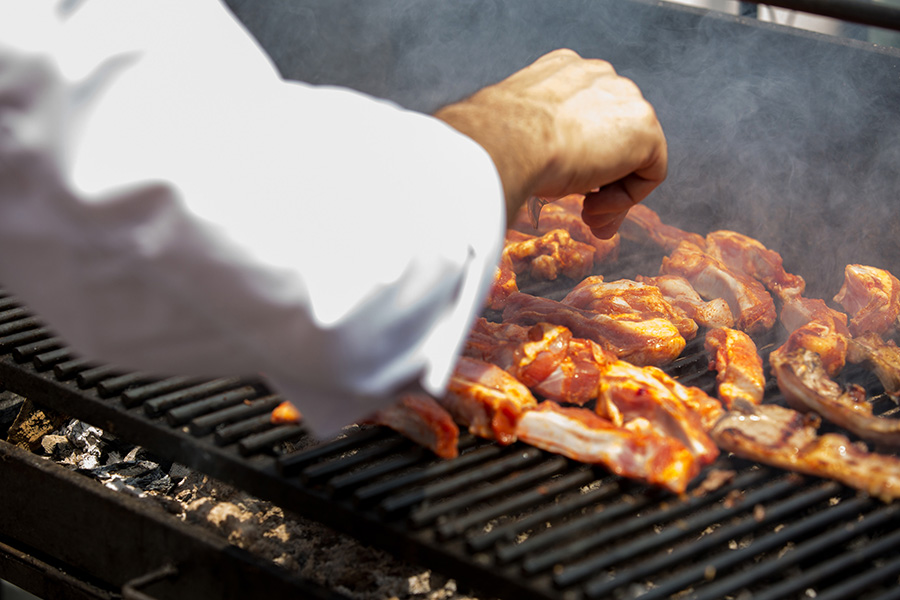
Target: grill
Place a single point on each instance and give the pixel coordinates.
(512, 521)
(515, 521)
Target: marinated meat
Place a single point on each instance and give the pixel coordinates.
(565, 213)
(634, 450)
(420, 418)
(645, 342)
(738, 365)
(628, 392)
(882, 357)
(806, 386)
(680, 294)
(744, 254)
(547, 257)
(504, 283)
(546, 358)
(486, 399)
(642, 224)
(817, 328)
(750, 303)
(285, 414)
(630, 300)
(786, 439)
(872, 298)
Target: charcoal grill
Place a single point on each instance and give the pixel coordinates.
(515, 521)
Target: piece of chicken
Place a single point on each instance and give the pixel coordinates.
(642, 224)
(747, 255)
(635, 450)
(750, 303)
(420, 418)
(872, 298)
(629, 392)
(816, 327)
(546, 257)
(738, 366)
(680, 294)
(786, 439)
(565, 213)
(486, 399)
(882, 357)
(653, 341)
(807, 387)
(629, 299)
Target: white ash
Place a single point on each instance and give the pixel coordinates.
(307, 548)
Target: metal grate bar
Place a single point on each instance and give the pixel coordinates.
(329, 468)
(515, 503)
(676, 582)
(675, 530)
(157, 406)
(577, 547)
(489, 489)
(182, 414)
(831, 539)
(205, 424)
(568, 505)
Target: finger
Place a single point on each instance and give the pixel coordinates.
(608, 230)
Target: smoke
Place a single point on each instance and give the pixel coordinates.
(789, 136)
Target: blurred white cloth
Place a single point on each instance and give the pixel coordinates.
(169, 204)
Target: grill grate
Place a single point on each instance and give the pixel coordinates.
(508, 520)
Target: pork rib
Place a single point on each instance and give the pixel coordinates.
(786, 439)
(635, 450)
(486, 399)
(680, 294)
(872, 298)
(628, 299)
(646, 342)
(642, 224)
(750, 303)
(747, 255)
(420, 418)
(806, 386)
(738, 366)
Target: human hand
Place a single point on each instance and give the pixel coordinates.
(566, 125)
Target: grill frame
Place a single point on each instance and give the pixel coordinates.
(385, 491)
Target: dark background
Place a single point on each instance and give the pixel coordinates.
(789, 136)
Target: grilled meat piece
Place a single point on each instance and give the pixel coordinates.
(642, 224)
(786, 439)
(548, 256)
(681, 295)
(750, 303)
(504, 283)
(565, 213)
(545, 357)
(646, 342)
(628, 392)
(486, 399)
(747, 255)
(817, 328)
(872, 298)
(738, 365)
(420, 418)
(285, 414)
(806, 386)
(883, 358)
(634, 450)
(628, 299)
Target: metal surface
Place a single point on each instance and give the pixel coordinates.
(65, 536)
(862, 12)
(511, 521)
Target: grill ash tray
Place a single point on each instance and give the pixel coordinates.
(512, 521)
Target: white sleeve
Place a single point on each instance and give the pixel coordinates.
(168, 204)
